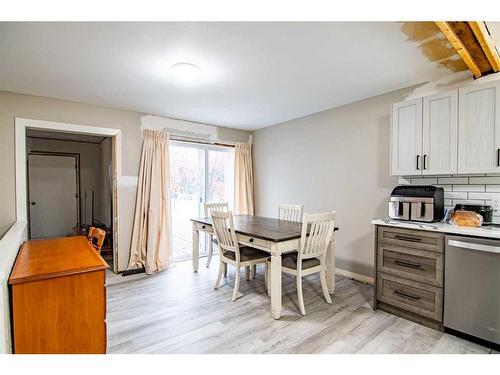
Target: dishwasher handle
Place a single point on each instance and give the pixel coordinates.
(474, 246)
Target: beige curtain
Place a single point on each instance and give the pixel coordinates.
(243, 179)
(151, 242)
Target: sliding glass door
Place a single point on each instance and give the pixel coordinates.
(198, 174)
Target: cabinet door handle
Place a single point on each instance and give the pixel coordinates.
(404, 238)
(407, 264)
(418, 162)
(406, 295)
(498, 157)
(425, 159)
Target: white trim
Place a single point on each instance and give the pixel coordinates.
(21, 125)
(355, 276)
(9, 246)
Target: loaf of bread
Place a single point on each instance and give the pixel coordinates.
(467, 218)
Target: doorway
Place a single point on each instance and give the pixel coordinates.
(199, 173)
(117, 254)
(53, 190)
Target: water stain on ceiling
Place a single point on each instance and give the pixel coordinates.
(433, 45)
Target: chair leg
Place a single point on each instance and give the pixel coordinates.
(225, 269)
(299, 294)
(254, 271)
(325, 287)
(236, 284)
(219, 276)
(247, 273)
(210, 249)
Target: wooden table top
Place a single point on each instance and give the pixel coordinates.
(53, 257)
(265, 228)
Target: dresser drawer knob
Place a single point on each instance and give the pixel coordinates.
(202, 227)
(250, 240)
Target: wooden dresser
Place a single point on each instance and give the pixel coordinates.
(58, 297)
(409, 274)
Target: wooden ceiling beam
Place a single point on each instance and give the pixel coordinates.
(457, 44)
(484, 39)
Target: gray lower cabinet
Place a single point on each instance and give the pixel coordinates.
(409, 274)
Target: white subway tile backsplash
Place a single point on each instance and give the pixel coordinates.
(424, 181)
(485, 180)
(455, 195)
(490, 196)
(467, 201)
(404, 181)
(475, 189)
(453, 180)
(469, 187)
(445, 187)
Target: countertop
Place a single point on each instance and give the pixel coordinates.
(484, 232)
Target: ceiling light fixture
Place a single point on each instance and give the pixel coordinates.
(185, 72)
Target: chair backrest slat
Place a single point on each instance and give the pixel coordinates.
(215, 206)
(290, 212)
(223, 225)
(320, 234)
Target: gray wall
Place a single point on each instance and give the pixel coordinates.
(333, 160)
(34, 107)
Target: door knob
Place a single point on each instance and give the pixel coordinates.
(33, 203)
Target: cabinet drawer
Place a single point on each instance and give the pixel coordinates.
(417, 239)
(421, 299)
(418, 265)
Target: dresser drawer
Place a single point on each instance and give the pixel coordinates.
(421, 299)
(418, 265)
(416, 239)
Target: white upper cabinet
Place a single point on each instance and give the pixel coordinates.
(479, 129)
(440, 129)
(406, 134)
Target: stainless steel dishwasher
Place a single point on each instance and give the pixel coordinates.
(472, 287)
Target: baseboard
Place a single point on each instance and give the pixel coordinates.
(355, 276)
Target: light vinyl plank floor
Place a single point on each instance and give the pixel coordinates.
(178, 311)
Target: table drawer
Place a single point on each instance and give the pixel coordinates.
(252, 241)
(417, 239)
(418, 265)
(422, 299)
(202, 227)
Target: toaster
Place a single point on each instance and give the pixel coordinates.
(417, 203)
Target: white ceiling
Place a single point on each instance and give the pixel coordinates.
(253, 74)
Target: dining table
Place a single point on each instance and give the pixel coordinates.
(272, 235)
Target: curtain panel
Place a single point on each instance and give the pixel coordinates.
(151, 245)
(243, 179)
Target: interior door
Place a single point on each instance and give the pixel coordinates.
(406, 134)
(440, 133)
(53, 199)
(479, 129)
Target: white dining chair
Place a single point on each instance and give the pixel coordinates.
(311, 256)
(208, 208)
(229, 250)
(290, 212)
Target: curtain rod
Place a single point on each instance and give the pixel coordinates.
(182, 138)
